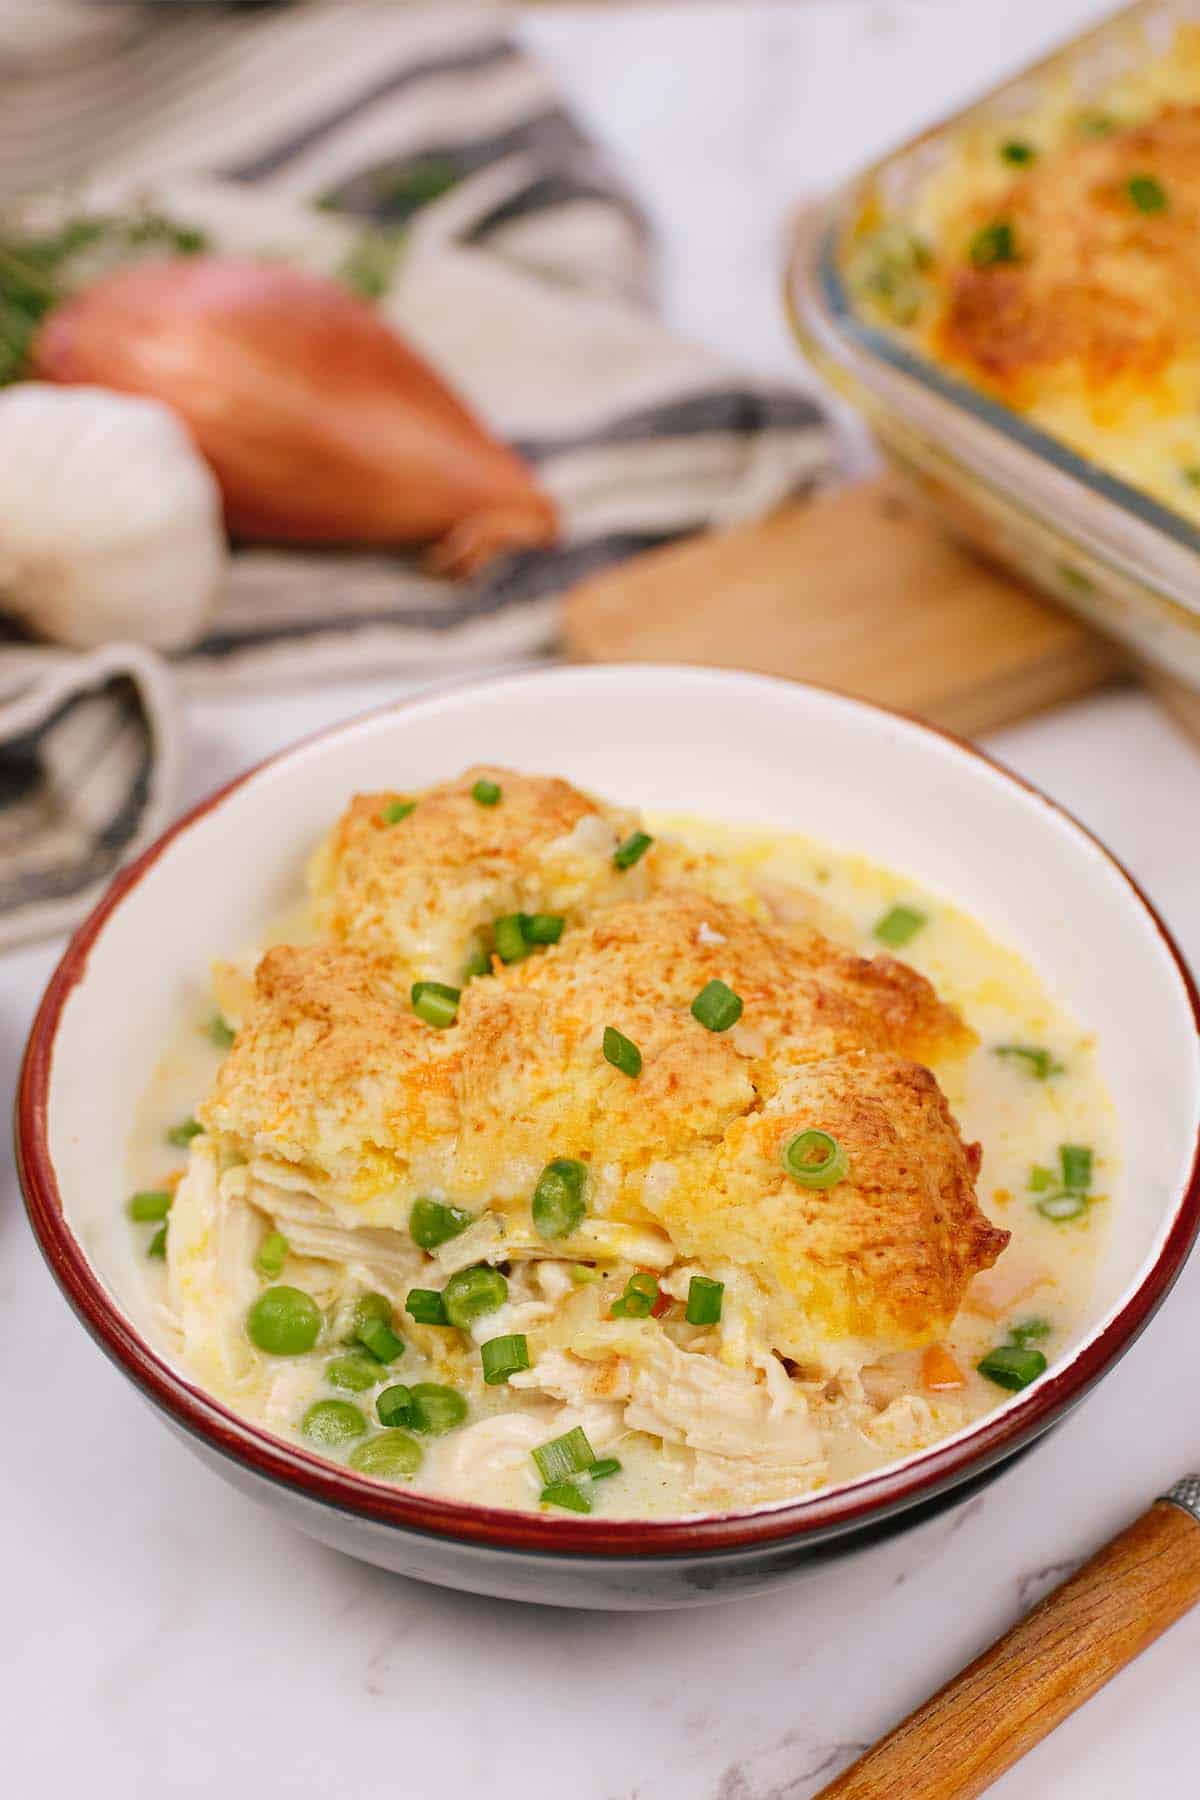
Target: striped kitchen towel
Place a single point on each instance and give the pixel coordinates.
(504, 247)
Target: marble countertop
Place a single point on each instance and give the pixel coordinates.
(163, 1637)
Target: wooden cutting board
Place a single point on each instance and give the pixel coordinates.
(857, 589)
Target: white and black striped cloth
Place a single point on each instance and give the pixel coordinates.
(524, 278)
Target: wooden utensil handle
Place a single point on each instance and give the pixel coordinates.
(1053, 1660)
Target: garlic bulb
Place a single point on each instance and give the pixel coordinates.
(110, 522)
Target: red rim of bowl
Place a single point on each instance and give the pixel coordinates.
(866, 1501)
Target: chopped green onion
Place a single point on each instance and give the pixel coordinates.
(426, 1306)
(436, 1003)
(1012, 1366)
(435, 1409)
(221, 1034)
(354, 1372)
(583, 1274)
(508, 935)
(486, 792)
(621, 1052)
(272, 1254)
(564, 1456)
(1060, 1207)
(431, 1223)
(1191, 474)
(815, 1159)
(1038, 1062)
(639, 1299)
(567, 1494)
(380, 1340)
(395, 810)
(182, 1134)
(1076, 1162)
(558, 1204)
(478, 963)
(389, 1454)
(502, 1357)
(284, 1321)
(704, 1301)
(632, 850)
(1147, 193)
(900, 926)
(472, 1293)
(157, 1247)
(394, 1405)
(1030, 1331)
(150, 1205)
(542, 928)
(1017, 151)
(1040, 1178)
(993, 244)
(716, 1006)
(333, 1422)
(607, 1465)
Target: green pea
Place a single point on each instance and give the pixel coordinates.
(436, 1410)
(366, 1308)
(284, 1321)
(471, 1293)
(389, 1454)
(558, 1205)
(332, 1422)
(352, 1372)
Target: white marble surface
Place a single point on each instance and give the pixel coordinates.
(161, 1638)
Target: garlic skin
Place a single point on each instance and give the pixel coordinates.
(110, 520)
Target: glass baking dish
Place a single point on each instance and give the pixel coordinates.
(1022, 497)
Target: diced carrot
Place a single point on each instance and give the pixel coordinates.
(662, 1305)
(939, 1371)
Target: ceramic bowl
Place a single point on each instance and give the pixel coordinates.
(732, 746)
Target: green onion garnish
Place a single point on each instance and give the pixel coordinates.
(815, 1159)
(716, 1006)
(639, 1299)
(621, 1052)
(558, 1205)
(900, 926)
(1076, 1162)
(471, 1294)
(436, 1003)
(333, 1422)
(1037, 1062)
(1191, 474)
(632, 850)
(583, 1274)
(607, 1465)
(993, 244)
(478, 963)
(380, 1340)
(150, 1205)
(1017, 151)
(1012, 1366)
(503, 1356)
(394, 1405)
(1030, 1331)
(486, 792)
(564, 1456)
(567, 1494)
(435, 1409)
(221, 1034)
(395, 810)
(1060, 1207)
(272, 1254)
(508, 935)
(704, 1300)
(1040, 1178)
(1147, 193)
(353, 1371)
(542, 928)
(182, 1134)
(157, 1247)
(426, 1306)
(430, 1223)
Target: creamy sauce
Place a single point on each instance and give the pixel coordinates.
(1021, 1122)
